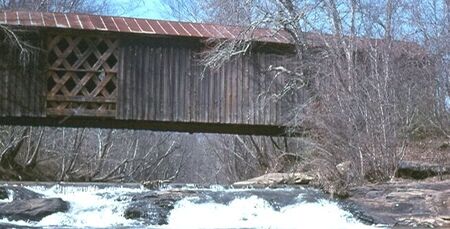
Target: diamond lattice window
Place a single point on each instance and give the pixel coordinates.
(82, 76)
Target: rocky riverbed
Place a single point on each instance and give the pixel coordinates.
(22, 204)
(405, 203)
(175, 206)
(401, 203)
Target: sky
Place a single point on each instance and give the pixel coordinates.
(153, 9)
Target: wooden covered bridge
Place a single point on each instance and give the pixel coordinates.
(115, 72)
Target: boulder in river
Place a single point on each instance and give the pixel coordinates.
(415, 170)
(3, 193)
(32, 209)
(21, 193)
(278, 178)
(154, 207)
(418, 204)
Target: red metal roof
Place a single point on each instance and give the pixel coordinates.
(135, 25)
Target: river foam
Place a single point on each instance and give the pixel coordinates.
(95, 207)
(254, 212)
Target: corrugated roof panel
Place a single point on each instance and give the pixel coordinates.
(203, 31)
(283, 36)
(145, 26)
(266, 35)
(236, 31)
(61, 21)
(49, 19)
(258, 34)
(192, 30)
(74, 21)
(211, 31)
(86, 22)
(24, 18)
(109, 23)
(168, 29)
(97, 22)
(227, 31)
(266, 32)
(3, 17)
(156, 27)
(36, 18)
(11, 18)
(180, 29)
(221, 30)
(139, 26)
(121, 25)
(132, 25)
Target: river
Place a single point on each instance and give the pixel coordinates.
(103, 206)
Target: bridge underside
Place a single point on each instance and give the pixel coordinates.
(88, 122)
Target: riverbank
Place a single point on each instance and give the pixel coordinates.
(401, 202)
(404, 203)
(419, 195)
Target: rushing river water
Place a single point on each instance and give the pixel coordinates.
(216, 207)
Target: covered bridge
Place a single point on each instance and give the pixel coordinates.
(116, 72)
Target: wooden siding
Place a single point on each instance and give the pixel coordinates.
(22, 83)
(162, 81)
(160, 86)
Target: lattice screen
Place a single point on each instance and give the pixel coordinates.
(82, 78)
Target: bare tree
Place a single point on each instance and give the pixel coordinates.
(383, 73)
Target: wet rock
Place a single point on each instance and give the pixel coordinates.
(414, 170)
(134, 212)
(278, 178)
(21, 193)
(155, 184)
(418, 204)
(3, 193)
(32, 209)
(154, 207)
(344, 167)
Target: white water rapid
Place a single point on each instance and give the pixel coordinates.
(104, 207)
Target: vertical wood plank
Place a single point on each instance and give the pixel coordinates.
(171, 84)
(239, 86)
(232, 78)
(245, 90)
(127, 83)
(140, 90)
(146, 82)
(250, 71)
(166, 81)
(176, 82)
(222, 95)
(216, 95)
(187, 84)
(182, 96)
(158, 77)
(152, 82)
